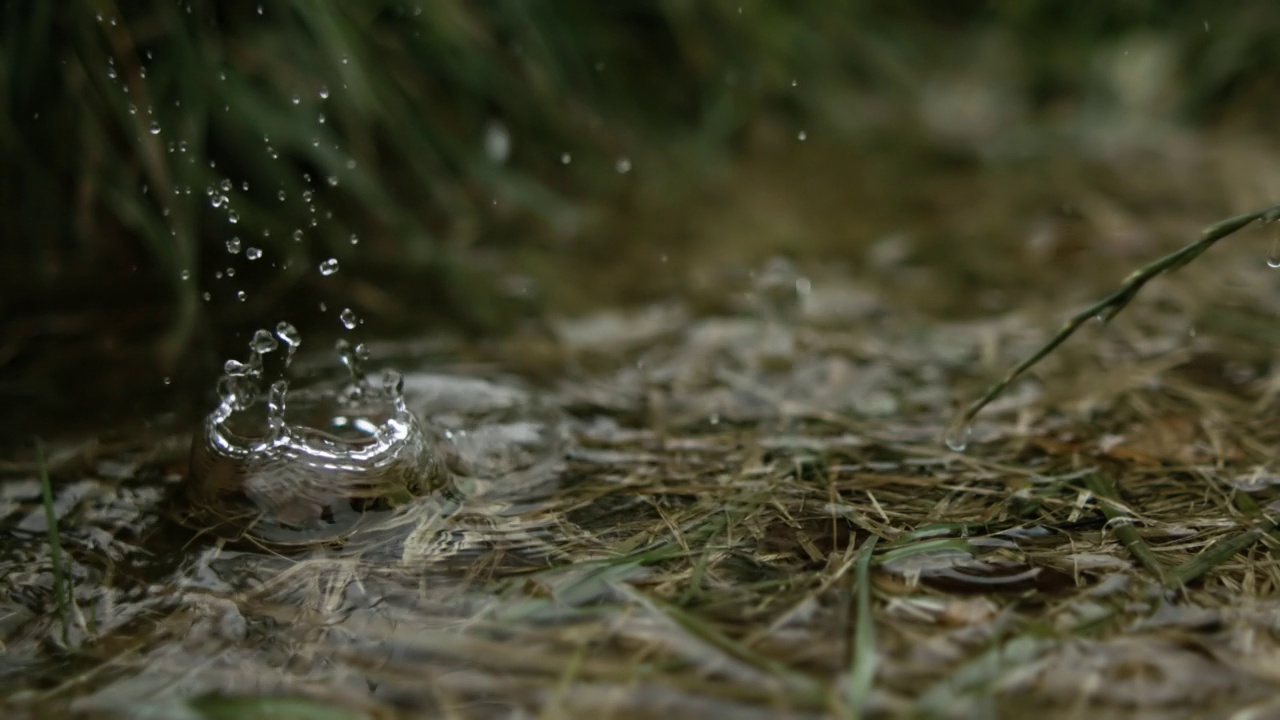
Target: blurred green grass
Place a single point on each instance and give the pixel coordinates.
(135, 132)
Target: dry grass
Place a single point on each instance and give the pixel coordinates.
(753, 518)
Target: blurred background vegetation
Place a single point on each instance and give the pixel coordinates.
(473, 164)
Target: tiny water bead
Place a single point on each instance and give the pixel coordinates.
(233, 245)
(253, 253)
(958, 434)
(329, 267)
(348, 318)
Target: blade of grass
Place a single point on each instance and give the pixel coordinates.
(1103, 488)
(1217, 554)
(978, 676)
(1111, 305)
(862, 671)
(61, 589)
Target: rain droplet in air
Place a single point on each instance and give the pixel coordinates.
(242, 295)
(329, 267)
(263, 342)
(348, 318)
(253, 253)
(565, 158)
(623, 165)
(233, 245)
(154, 129)
(290, 336)
(324, 92)
(958, 434)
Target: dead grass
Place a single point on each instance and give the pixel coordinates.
(755, 517)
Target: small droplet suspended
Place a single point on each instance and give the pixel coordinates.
(297, 235)
(242, 295)
(263, 342)
(354, 239)
(324, 92)
(565, 158)
(233, 217)
(253, 253)
(957, 435)
(296, 100)
(329, 267)
(290, 336)
(348, 318)
(233, 245)
(802, 136)
(185, 274)
(623, 165)
(155, 128)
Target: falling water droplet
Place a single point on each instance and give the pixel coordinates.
(185, 274)
(958, 434)
(263, 342)
(296, 99)
(802, 136)
(242, 296)
(253, 253)
(1273, 260)
(565, 158)
(155, 128)
(324, 92)
(290, 336)
(354, 239)
(233, 245)
(623, 165)
(329, 267)
(348, 318)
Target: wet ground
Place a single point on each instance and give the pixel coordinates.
(728, 494)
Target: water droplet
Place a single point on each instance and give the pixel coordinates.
(263, 342)
(623, 165)
(233, 245)
(324, 92)
(154, 129)
(349, 359)
(1273, 260)
(958, 434)
(497, 142)
(207, 296)
(362, 352)
(565, 158)
(233, 217)
(296, 99)
(217, 200)
(280, 196)
(253, 253)
(802, 136)
(242, 295)
(185, 274)
(329, 267)
(348, 318)
(297, 235)
(167, 380)
(795, 83)
(225, 185)
(355, 240)
(231, 272)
